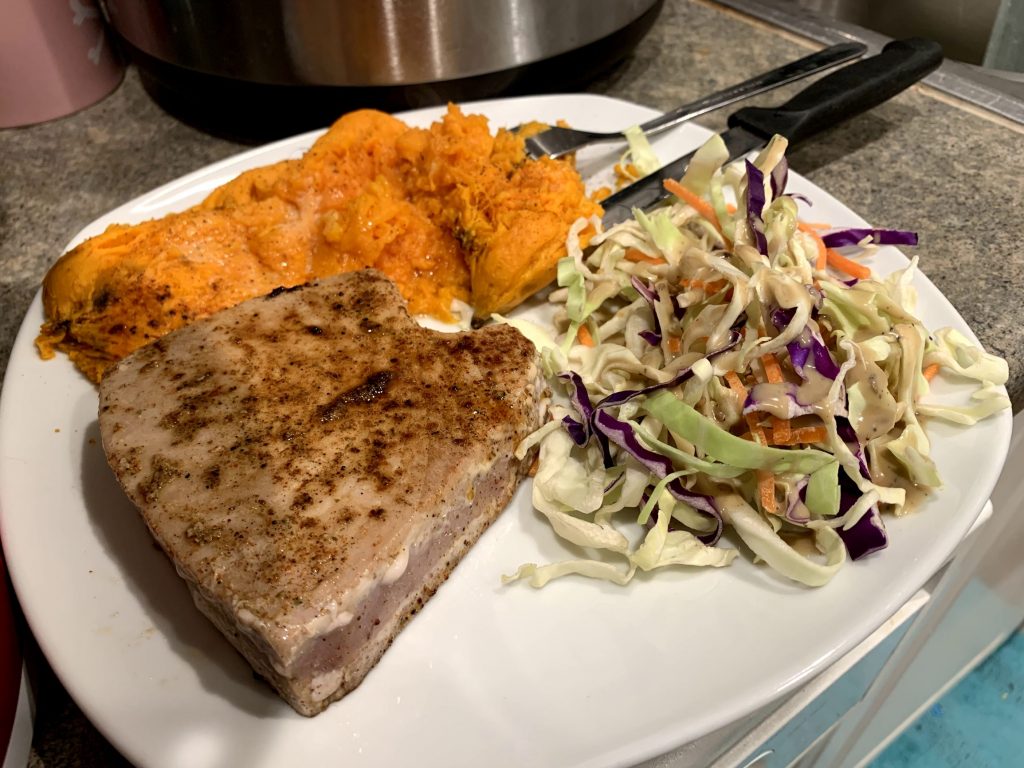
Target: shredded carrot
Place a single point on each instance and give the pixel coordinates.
(601, 193)
(930, 371)
(772, 369)
(757, 432)
(806, 225)
(730, 208)
(766, 490)
(699, 204)
(733, 380)
(675, 344)
(773, 372)
(636, 255)
(843, 264)
(812, 434)
(822, 259)
(781, 430)
(804, 435)
(583, 334)
(756, 429)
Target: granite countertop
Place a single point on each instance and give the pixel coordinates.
(921, 161)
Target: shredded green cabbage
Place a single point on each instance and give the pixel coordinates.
(640, 152)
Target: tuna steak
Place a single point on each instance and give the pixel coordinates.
(315, 464)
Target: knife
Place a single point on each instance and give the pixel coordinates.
(826, 102)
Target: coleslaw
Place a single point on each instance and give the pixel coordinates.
(720, 365)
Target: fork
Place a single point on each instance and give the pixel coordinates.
(555, 142)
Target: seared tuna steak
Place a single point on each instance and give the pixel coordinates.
(315, 464)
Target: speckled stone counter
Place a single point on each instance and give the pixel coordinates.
(920, 161)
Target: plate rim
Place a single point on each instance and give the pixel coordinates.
(650, 745)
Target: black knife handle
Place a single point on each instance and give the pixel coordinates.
(845, 92)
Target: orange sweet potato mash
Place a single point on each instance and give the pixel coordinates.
(450, 212)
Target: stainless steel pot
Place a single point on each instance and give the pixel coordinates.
(386, 53)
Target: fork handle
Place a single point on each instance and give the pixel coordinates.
(788, 73)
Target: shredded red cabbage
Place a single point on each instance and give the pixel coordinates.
(803, 346)
(778, 178)
(580, 400)
(644, 289)
(755, 206)
(781, 317)
(799, 350)
(796, 512)
(618, 479)
(651, 296)
(823, 358)
(652, 338)
(792, 392)
(868, 534)
(678, 311)
(622, 434)
(878, 236)
(577, 431)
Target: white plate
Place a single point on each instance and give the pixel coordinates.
(578, 674)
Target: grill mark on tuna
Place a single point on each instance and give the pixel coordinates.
(375, 385)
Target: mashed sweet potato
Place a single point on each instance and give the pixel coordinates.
(450, 212)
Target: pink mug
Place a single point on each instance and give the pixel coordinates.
(55, 59)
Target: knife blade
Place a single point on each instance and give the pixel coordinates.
(826, 102)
